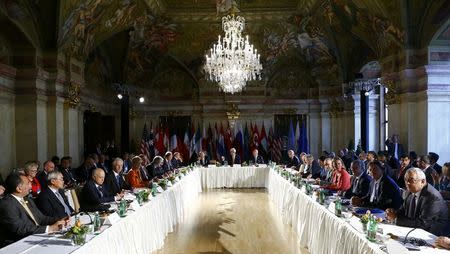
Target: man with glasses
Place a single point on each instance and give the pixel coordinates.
(423, 207)
(52, 201)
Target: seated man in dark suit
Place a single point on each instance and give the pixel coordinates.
(177, 161)
(360, 180)
(114, 181)
(399, 174)
(383, 192)
(83, 172)
(167, 166)
(424, 206)
(102, 163)
(255, 159)
(155, 168)
(233, 158)
(424, 164)
(52, 201)
(94, 193)
(203, 159)
(19, 216)
(434, 157)
(67, 171)
(49, 166)
(293, 161)
(313, 169)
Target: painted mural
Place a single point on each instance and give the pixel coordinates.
(149, 41)
(86, 23)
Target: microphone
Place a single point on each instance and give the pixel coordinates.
(406, 237)
(90, 217)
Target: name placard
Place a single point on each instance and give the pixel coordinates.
(112, 219)
(135, 205)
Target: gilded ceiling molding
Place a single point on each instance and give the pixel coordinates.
(335, 108)
(207, 17)
(156, 6)
(392, 96)
(74, 91)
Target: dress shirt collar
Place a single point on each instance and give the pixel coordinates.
(19, 199)
(53, 189)
(115, 174)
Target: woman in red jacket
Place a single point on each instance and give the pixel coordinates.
(31, 169)
(341, 178)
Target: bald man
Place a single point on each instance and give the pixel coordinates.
(95, 194)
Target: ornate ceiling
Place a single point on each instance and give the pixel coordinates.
(304, 43)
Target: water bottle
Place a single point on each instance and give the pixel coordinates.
(321, 197)
(372, 227)
(338, 207)
(97, 222)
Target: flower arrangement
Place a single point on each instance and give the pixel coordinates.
(184, 171)
(244, 164)
(171, 178)
(163, 184)
(78, 233)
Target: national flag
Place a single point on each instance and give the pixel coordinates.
(297, 139)
(270, 143)
(186, 141)
(159, 146)
(304, 138)
(238, 140)
(173, 142)
(246, 144)
(291, 138)
(166, 140)
(263, 140)
(150, 144)
(221, 143)
(144, 140)
(198, 140)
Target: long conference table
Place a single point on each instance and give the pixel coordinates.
(144, 230)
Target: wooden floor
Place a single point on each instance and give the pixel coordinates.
(232, 221)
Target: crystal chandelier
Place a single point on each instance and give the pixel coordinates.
(233, 61)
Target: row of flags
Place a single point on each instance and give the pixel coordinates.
(217, 140)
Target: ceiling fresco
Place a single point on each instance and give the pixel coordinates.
(303, 43)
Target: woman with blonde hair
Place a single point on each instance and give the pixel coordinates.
(341, 178)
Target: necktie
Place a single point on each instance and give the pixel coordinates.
(27, 209)
(61, 200)
(396, 150)
(373, 197)
(100, 189)
(118, 180)
(412, 207)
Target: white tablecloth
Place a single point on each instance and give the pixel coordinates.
(234, 177)
(321, 231)
(144, 230)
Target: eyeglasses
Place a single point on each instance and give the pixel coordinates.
(412, 180)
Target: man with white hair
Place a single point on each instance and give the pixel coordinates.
(293, 161)
(114, 181)
(423, 207)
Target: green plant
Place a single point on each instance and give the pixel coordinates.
(77, 229)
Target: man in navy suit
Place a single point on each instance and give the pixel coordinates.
(49, 166)
(168, 161)
(114, 181)
(94, 193)
(52, 201)
(203, 159)
(67, 171)
(19, 216)
(383, 191)
(360, 180)
(234, 158)
(293, 161)
(255, 159)
(423, 207)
